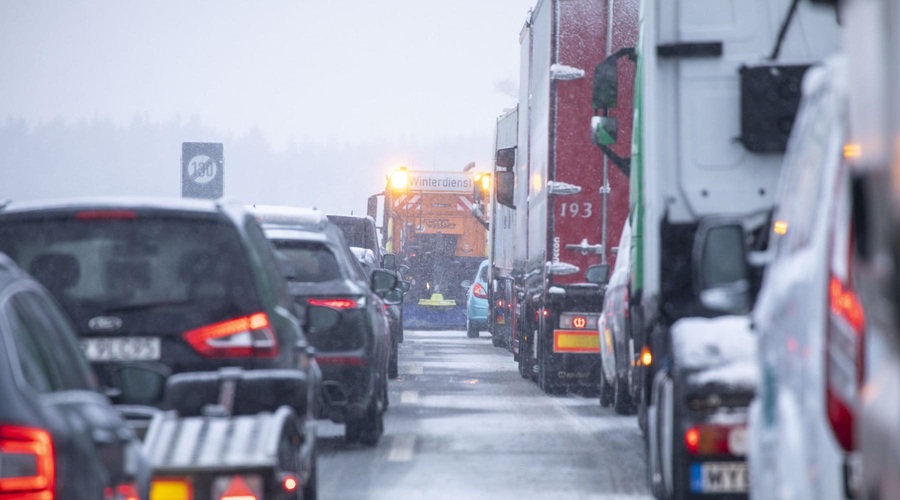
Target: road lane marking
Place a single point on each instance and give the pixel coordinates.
(402, 448)
(416, 369)
(409, 397)
(418, 354)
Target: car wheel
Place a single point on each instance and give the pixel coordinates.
(393, 369)
(311, 488)
(606, 392)
(622, 403)
(367, 429)
(471, 331)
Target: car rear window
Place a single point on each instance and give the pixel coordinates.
(194, 268)
(313, 262)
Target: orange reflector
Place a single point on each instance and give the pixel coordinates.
(852, 150)
(575, 341)
(780, 227)
(169, 488)
(646, 356)
(238, 490)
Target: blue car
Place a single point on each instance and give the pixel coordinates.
(477, 302)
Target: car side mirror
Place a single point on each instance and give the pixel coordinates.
(466, 284)
(404, 286)
(393, 297)
(320, 318)
(382, 281)
(597, 273)
(721, 269)
(389, 262)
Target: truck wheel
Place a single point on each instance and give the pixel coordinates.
(622, 403)
(606, 392)
(471, 331)
(393, 369)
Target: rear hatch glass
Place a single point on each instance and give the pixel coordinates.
(157, 274)
(313, 262)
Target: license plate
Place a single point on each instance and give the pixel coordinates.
(720, 477)
(121, 349)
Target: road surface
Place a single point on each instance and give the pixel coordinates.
(463, 424)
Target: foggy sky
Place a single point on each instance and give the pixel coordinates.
(392, 77)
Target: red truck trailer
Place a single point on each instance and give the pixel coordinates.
(570, 202)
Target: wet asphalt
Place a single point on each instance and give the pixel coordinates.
(463, 424)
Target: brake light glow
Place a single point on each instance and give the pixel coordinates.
(338, 302)
(479, 291)
(290, 484)
(28, 464)
(646, 356)
(716, 440)
(244, 337)
(845, 328)
(106, 215)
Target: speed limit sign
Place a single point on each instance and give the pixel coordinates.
(201, 170)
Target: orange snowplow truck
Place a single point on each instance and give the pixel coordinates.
(428, 224)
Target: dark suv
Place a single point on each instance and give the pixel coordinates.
(353, 356)
(59, 437)
(165, 285)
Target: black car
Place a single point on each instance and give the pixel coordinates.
(393, 306)
(353, 356)
(59, 437)
(165, 285)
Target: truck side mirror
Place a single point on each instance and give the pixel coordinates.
(372, 206)
(389, 262)
(597, 273)
(404, 286)
(505, 183)
(721, 270)
(606, 83)
(506, 157)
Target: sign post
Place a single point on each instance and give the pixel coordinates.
(202, 170)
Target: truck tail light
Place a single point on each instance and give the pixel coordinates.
(244, 337)
(27, 466)
(479, 291)
(716, 440)
(338, 302)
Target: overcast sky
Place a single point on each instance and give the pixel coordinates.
(348, 70)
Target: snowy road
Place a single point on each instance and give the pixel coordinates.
(463, 424)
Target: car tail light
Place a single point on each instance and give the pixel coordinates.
(338, 302)
(845, 330)
(244, 337)
(27, 466)
(479, 291)
(716, 440)
(289, 483)
(843, 360)
(106, 215)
